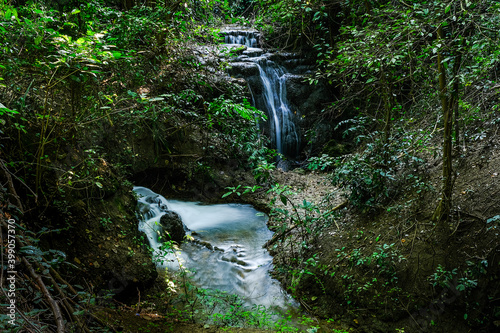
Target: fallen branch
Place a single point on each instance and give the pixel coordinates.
(277, 237)
(56, 310)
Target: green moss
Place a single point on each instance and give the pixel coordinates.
(333, 148)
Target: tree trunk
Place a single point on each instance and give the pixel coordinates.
(442, 212)
(128, 4)
(388, 108)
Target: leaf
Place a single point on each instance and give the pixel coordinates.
(117, 55)
(38, 39)
(75, 11)
(283, 199)
(98, 184)
(447, 9)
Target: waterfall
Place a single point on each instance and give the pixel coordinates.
(283, 132)
(247, 38)
(272, 100)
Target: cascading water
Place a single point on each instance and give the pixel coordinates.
(284, 134)
(247, 38)
(227, 253)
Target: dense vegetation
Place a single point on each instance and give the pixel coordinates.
(94, 94)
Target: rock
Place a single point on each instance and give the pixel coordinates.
(299, 171)
(143, 208)
(334, 149)
(283, 165)
(256, 86)
(253, 52)
(152, 200)
(234, 260)
(243, 69)
(172, 224)
(206, 244)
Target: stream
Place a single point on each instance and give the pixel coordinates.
(237, 263)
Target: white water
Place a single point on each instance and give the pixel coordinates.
(241, 266)
(247, 38)
(283, 131)
(285, 135)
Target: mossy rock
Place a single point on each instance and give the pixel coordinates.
(333, 148)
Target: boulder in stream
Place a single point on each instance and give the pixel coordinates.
(173, 228)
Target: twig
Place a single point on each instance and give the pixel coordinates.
(56, 310)
(275, 238)
(11, 187)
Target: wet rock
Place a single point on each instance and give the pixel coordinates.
(253, 52)
(243, 69)
(234, 259)
(241, 58)
(282, 56)
(306, 97)
(152, 199)
(142, 208)
(206, 244)
(283, 165)
(256, 86)
(172, 224)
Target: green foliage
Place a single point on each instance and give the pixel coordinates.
(247, 189)
(385, 58)
(297, 228)
(262, 171)
(221, 109)
(366, 181)
(87, 64)
(378, 288)
(467, 281)
(78, 78)
(380, 170)
(324, 162)
(106, 222)
(442, 277)
(306, 22)
(493, 222)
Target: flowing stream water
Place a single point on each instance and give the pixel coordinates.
(237, 263)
